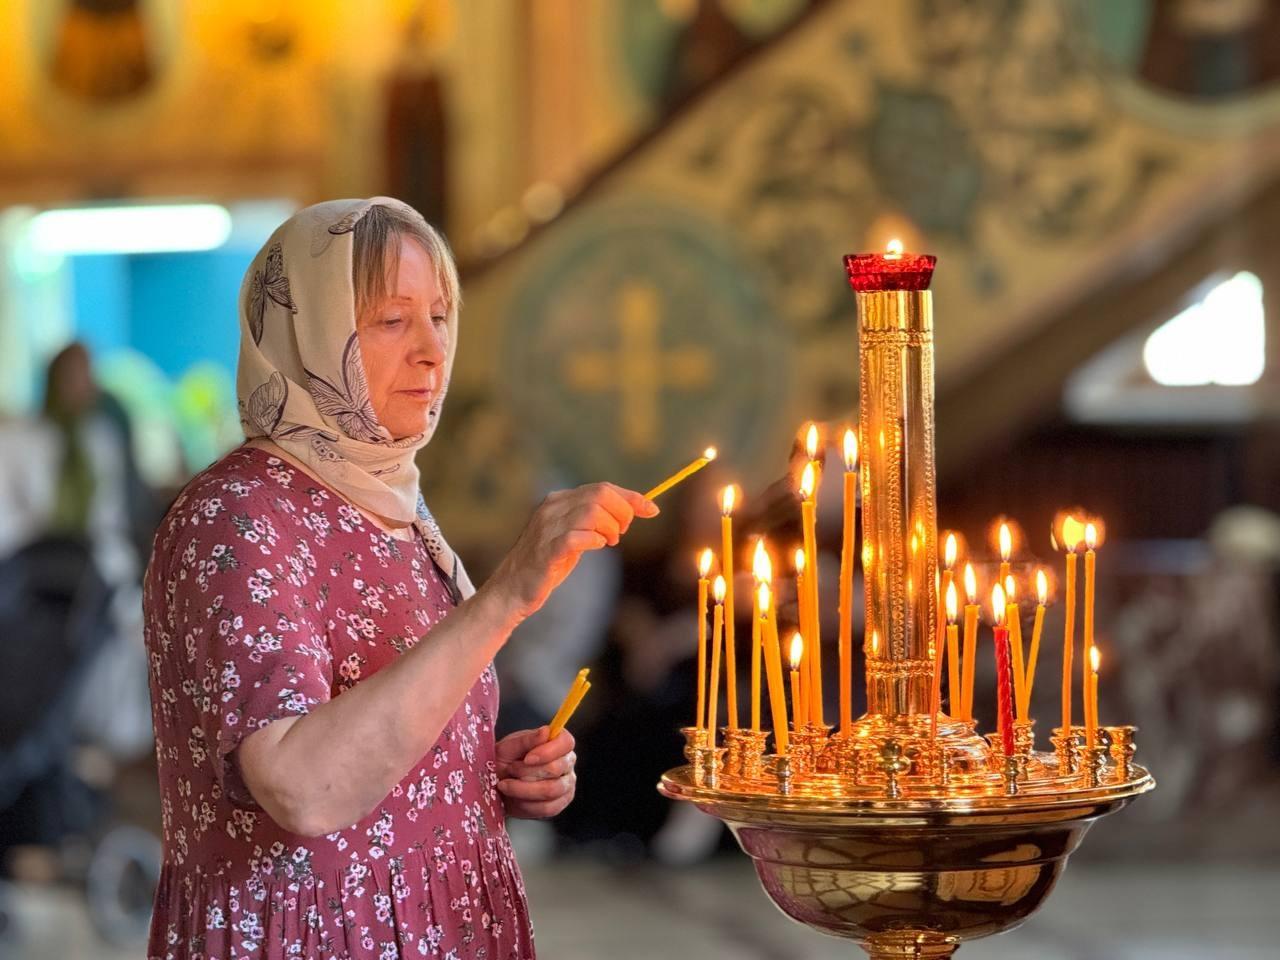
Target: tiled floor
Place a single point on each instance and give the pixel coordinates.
(584, 909)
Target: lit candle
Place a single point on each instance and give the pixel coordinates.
(1070, 540)
(707, 456)
(1013, 618)
(1004, 687)
(953, 646)
(847, 561)
(1090, 567)
(798, 709)
(717, 630)
(726, 567)
(704, 568)
(773, 665)
(802, 607)
(760, 564)
(1006, 551)
(1091, 699)
(970, 641)
(1042, 596)
(808, 516)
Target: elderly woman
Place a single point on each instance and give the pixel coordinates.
(321, 667)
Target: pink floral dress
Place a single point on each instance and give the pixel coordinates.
(267, 595)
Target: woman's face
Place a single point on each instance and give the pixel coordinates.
(404, 341)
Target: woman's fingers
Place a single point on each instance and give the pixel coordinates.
(592, 516)
(560, 767)
(538, 790)
(561, 745)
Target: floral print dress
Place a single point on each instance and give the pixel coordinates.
(267, 595)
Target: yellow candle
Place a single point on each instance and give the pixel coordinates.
(969, 660)
(1090, 567)
(1091, 698)
(1071, 539)
(802, 609)
(761, 567)
(707, 456)
(773, 667)
(1013, 618)
(1006, 551)
(847, 561)
(726, 568)
(575, 697)
(567, 705)
(813, 639)
(1042, 595)
(953, 645)
(717, 630)
(704, 568)
(798, 708)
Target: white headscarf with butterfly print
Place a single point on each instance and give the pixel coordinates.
(301, 381)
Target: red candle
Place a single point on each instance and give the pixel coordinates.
(1004, 675)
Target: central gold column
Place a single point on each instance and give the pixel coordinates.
(899, 499)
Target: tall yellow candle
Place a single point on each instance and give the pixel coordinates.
(726, 568)
(773, 666)
(953, 646)
(813, 639)
(762, 569)
(799, 711)
(717, 631)
(1070, 539)
(704, 568)
(802, 608)
(847, 561)
(1006, 551)
(1042, 596)
(969, 660)
(1013, 618)
(1090, 568)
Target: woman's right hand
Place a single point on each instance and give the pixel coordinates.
(566, 524)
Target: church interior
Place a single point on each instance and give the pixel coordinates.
(649, 202)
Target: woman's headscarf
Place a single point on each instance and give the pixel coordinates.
(301, 381)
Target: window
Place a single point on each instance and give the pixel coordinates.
(1218, 340)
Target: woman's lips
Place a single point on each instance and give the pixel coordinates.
(421, 395)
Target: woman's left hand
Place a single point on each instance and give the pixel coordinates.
(535, 776)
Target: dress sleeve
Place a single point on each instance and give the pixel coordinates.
(250, 651)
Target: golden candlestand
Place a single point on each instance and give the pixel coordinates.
(908, 832)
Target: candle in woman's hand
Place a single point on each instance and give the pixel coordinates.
(847, 561)
(727, 501)
(704, 568)
(1042, 597)
(717, 630)
(968, 662)
(707, 456)
(1004, 685)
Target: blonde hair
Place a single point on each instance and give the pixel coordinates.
(375, 259)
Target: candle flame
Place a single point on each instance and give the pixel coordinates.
(949, 551)
(727, 499)
(764, 598)
(1011, 588)
(704, 562)
(953, 602)
(799, 559)
(709, 453)
(797, 650)
(970, 583)
(893, 249)
(1042, 586)
(761, 565)
(1006, 542)
(808, 480)
(718, 588)
(1095, 658)
(1090, 536)
(850, 450)
(811, 441)
(998, 604)
(1072, 533)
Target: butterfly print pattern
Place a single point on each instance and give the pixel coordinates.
(269, 283)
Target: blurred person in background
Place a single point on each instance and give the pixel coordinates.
(322, 681)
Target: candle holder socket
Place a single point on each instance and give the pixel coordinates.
(706, 769)
(1122, 751)
(694, 737)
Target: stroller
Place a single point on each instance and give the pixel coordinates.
(53, 622)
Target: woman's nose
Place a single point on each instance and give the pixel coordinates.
(431, 344)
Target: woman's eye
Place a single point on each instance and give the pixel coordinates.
(440, 319)
(392, 322)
